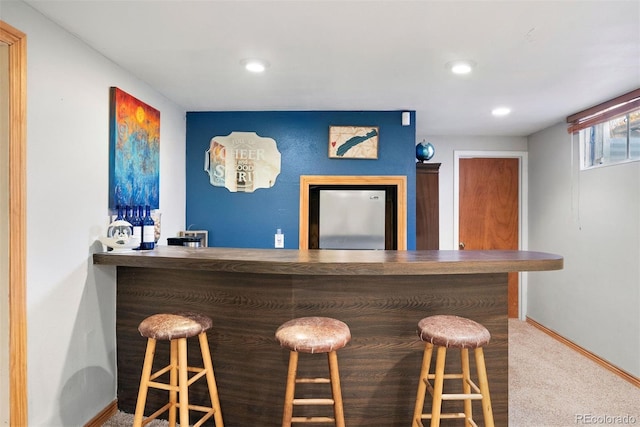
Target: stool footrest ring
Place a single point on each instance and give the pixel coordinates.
(208, 413)
(313, 380)
(318, 401)
(312, 420)
(156, 414)
(448, 416)
(458, 396)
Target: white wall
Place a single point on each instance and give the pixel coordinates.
(444, 153)
(71, 303)
(592, 218)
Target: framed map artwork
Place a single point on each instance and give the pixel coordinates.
(134, 152)
(353, 142)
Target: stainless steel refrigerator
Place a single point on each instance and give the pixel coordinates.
(352, 219)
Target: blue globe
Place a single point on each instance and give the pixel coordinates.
(425, 152)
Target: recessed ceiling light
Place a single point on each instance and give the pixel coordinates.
(501, 111)
(255, 65)
(461, 67)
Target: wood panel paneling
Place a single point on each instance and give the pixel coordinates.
(379, 368)
(427, 206)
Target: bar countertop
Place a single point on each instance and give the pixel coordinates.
(381, 295)
(333, 262)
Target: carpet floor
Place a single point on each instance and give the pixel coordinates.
(550, 385)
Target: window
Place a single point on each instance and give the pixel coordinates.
(609, 133)
(615, 141)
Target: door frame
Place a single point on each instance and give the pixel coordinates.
(17, 46)
(523, 208)
(306, 181)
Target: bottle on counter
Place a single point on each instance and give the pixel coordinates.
(148, 230)
(137, 223)
(119, 216)
(128, 216)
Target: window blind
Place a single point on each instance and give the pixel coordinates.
(605, 111)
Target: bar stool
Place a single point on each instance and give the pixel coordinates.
(313, 335)
(444, 332)
(176, 328)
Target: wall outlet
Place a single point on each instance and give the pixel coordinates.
(279, 239)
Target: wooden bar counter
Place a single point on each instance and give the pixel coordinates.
(381, 295)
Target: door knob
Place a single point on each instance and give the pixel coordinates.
(461, 245)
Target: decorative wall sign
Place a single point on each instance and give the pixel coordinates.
(353, 142)
(134, 152)
(242, 162)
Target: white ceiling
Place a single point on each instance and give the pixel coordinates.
(544, 59)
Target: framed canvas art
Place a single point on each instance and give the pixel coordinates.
(353, 142)
(134, 152)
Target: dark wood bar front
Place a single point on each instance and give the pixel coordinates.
(381, 295)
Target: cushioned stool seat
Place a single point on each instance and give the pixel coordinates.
(313, 335)
(176, 328)
(443, 332)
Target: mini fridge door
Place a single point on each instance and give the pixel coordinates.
(352, 219)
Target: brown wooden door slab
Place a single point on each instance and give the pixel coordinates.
(488, 210)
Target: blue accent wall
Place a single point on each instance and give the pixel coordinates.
(250, 220)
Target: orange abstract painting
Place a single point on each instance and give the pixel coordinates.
(134, 154)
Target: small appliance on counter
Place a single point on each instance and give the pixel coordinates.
(203, 235)
(189, 241)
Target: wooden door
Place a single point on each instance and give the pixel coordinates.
(488, 210)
